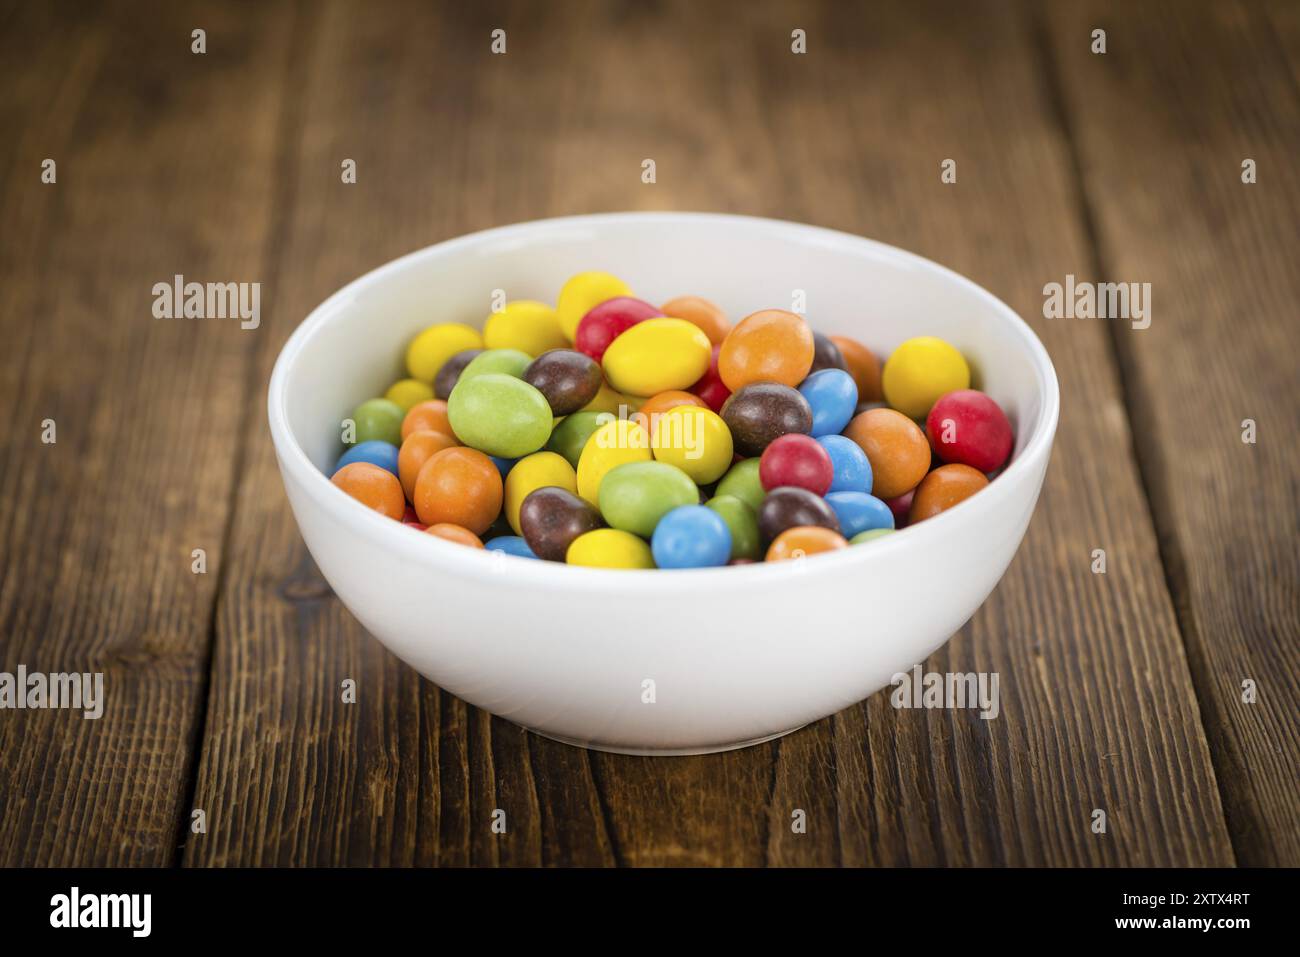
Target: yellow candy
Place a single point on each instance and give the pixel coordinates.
(581, 293)
(919, 371)
(657, 355)
(613, 444)
(528, 326)
(695, 440)
(532, 472)
(435, 345)
(609, 548)
(409, 392)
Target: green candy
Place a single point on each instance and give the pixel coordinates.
(499, 414)
(509, 362)
(741, 481)
(378, 419)
(869, 535)
(570, 436)
(742, 522)
(634, 496)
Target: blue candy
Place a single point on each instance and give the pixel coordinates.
(376, 452)
(859, 512)
(851, 465)
(691, 536)
(503, 465)
(833, 395)
(511, 545)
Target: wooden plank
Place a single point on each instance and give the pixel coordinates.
(161, 159)
(1161, 148)
(1098, 710)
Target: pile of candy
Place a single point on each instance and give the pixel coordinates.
(613, 433)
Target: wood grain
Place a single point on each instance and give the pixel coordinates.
(1160, 149)
(1098, 705)
(161, 159)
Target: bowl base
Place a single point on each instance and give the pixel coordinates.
(664, 752)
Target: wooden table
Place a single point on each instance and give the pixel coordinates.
(1120, 691)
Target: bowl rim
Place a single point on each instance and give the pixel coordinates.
(455, 559)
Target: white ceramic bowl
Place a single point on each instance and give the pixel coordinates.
(736, 655)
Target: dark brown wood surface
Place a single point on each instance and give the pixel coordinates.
(1121, 692)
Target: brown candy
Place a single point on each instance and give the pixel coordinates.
(567, 378)
(789, 507)
(763, 411)
(449, 374)
(550, 518)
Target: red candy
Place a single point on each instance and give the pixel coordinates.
(901, 506)
(711, 388)
(413, 520)
(797, 460)
(606, 322)
(966, 427)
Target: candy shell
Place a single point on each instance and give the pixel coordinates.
(418, 448)
(609, 548)
(802, 541)
(454, 533)
(635, 496)
(896, 447)
(769, 346)
(430, 415)
(583, 292)
(408, 392)
(510, 545)
(376, 452)
(460, 486)
(699, 311)
(372, 486)
(607, 321)
(436, 344)
(657, 355)
(921, 370)
(859, 512)
(966, 427)
(524, 325)
(499, 414)
(863, 365)
(943, 488)
(852, 468)
(796, 460)
(833, 396)
(378, 419)
(615, 443)
(742, 523)
(694, 440)
(691, 536)
(539, 470)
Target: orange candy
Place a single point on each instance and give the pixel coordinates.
(373, 487)
(802, 541)
(654, 407)
(460, 486)
(418, 448)
(863, 366)
(430, 414)
(896, 447)
(769, 346)
(943, 488)
(455, 533)
(699, 312)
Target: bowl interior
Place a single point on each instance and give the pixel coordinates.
(352, 348)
